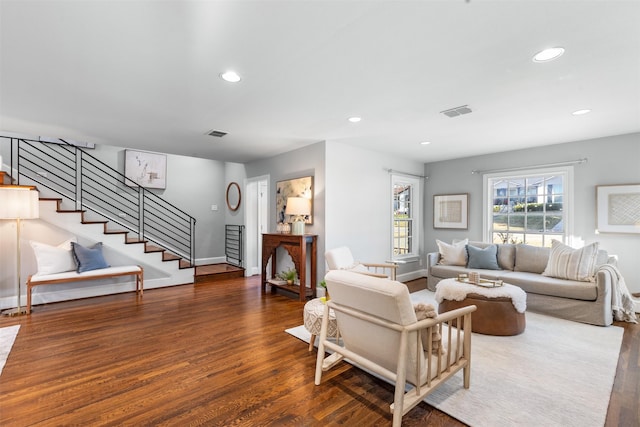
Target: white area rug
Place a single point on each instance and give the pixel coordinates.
(7, 337)
(556, 373)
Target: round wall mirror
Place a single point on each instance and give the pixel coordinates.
(233, 196)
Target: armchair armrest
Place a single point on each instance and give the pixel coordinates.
(380, 269)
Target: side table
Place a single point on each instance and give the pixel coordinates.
(313, 314)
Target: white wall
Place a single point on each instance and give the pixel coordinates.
(611, 160)
(358, 199)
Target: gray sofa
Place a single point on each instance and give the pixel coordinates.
(522, 265)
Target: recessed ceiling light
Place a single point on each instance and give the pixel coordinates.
(581, 112)
(355, 119)
(548, 54)
(425, 143)
(230, 76)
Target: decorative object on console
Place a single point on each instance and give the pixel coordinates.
(451, 211)
(299, 187)
(618, 208)
(18, 202)
(299, 208)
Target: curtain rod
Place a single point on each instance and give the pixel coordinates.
(547, 165)
(406, 173)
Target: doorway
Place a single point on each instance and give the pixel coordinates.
(256, 221)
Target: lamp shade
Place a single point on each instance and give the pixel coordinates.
(298, 206)
(18, 202)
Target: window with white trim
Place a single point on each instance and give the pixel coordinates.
(529, 207)
(405, 227)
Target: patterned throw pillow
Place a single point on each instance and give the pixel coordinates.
(454, 254)
(572, 264)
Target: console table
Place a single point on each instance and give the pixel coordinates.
(296, 245)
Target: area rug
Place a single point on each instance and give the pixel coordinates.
(556, 373)
(7, 337)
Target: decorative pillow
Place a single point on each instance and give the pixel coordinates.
(532, 259)
(88, 258)
(573, 264)
(454, 254)
(54, 259)
(485, 258)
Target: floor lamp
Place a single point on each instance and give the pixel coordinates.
(18, 202)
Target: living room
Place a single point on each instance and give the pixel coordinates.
(352, 182)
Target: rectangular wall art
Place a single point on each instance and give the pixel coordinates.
(148, 170)
(298, 187)
(451, 211)
(618, 208)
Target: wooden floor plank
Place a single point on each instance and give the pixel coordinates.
(213, 353)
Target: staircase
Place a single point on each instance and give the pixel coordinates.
(81, 196)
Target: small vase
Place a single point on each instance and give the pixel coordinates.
(289, 282)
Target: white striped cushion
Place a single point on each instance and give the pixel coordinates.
(572, 264)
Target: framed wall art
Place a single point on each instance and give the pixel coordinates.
(618, 208)
(148, 170)
(451, 211)
(298, 187)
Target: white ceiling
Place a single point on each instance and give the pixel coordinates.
(145, 74)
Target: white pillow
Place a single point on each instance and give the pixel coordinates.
(572, 264)
(54, 259)
(454, 254)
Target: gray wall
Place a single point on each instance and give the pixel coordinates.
(193, 185)
(306, 161)
(611, 160)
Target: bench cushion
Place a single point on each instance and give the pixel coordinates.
(88, 275)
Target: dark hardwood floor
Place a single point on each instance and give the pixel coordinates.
(214, 353)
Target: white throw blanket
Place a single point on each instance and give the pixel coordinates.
(452, 290)
(621, 302)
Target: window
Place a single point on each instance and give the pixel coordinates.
(405, 234)
(531, 207)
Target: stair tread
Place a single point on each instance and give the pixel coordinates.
(116, 232)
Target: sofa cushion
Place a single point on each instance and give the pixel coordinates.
(566, 262)
(485, 258)
(542, 285)
(453, 254)
(531, 259)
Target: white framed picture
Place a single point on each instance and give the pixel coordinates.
(618, 208)
(451, 211)
(148, 170)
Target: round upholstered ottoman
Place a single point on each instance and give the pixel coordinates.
(496, 314)
(313, 314)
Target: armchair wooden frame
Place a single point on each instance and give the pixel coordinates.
(457, 356)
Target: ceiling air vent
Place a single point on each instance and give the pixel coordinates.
(216, 133)
(457, 111)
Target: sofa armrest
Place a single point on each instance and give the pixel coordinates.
(432, 259)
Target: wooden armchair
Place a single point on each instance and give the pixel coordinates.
(380, 333)
(342, 259)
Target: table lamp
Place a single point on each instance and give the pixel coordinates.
(299, 207)
(18, 202)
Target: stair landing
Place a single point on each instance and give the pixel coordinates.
(216, 272)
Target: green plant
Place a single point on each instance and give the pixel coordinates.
(323, 284)
(288, 275)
